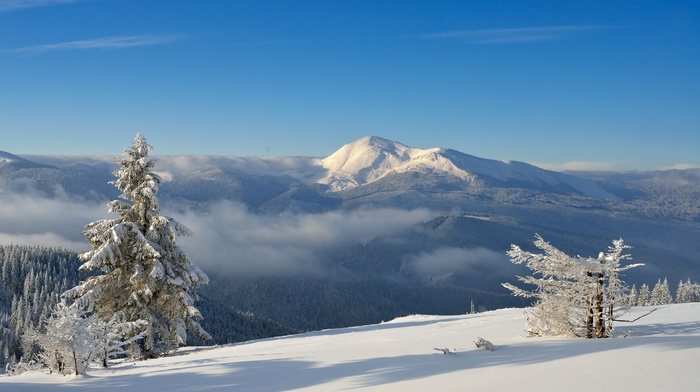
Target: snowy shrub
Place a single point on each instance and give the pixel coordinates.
(575, 296)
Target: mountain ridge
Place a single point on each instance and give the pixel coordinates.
(256, 216)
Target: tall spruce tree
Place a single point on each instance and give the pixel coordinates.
(145, 274)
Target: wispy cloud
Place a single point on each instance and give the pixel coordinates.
(12, 5)
(449, 260)
(681, 166)
(576, 166)
(119, 42)
(515, 35)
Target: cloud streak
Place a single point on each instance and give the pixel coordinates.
(514, 35)
(576, 166)
(117, 42)
(12, 5)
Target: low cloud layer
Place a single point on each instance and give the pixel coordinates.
(231, 240)
(228, 239)
(30, 218)
(169, 165)
(451, 260)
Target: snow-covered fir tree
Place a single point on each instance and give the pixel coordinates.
(66, 344)
(644, 297)
(661, 294)
(632, 296)
(575, 296)
(687, 292)
(145, 274)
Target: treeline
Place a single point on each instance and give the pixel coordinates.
(307, 303)
(660, 294)
(32, 278)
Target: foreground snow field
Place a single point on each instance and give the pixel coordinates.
(660, 352)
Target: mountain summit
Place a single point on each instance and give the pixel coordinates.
(372, 158)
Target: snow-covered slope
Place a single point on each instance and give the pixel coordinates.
(658, 352)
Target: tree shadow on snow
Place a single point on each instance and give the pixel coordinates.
(665, 329)
(229, 372)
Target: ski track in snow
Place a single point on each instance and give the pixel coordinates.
(661, 352)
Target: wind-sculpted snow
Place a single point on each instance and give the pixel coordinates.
(656, 353)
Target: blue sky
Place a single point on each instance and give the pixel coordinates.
(607, 84)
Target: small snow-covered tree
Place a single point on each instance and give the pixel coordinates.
(71, 340)
(661, 294)
(575, 296)
(66, 344)
(687, 292)
(632, 296)
(558, 284)
(113, 336)
(644, 298)
(145, 274)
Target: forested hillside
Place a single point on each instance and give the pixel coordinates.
(34, 277)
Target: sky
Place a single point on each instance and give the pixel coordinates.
(611, 85)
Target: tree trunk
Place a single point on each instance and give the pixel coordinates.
(589, 315)
(599, 318)
(75, 362)
(59, 362)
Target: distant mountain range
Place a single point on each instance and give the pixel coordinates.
(371, 165)
(478, 204)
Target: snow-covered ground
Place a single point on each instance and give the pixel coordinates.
(661, 352)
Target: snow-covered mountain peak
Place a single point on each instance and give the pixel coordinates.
(371, 158)
(364, 152)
